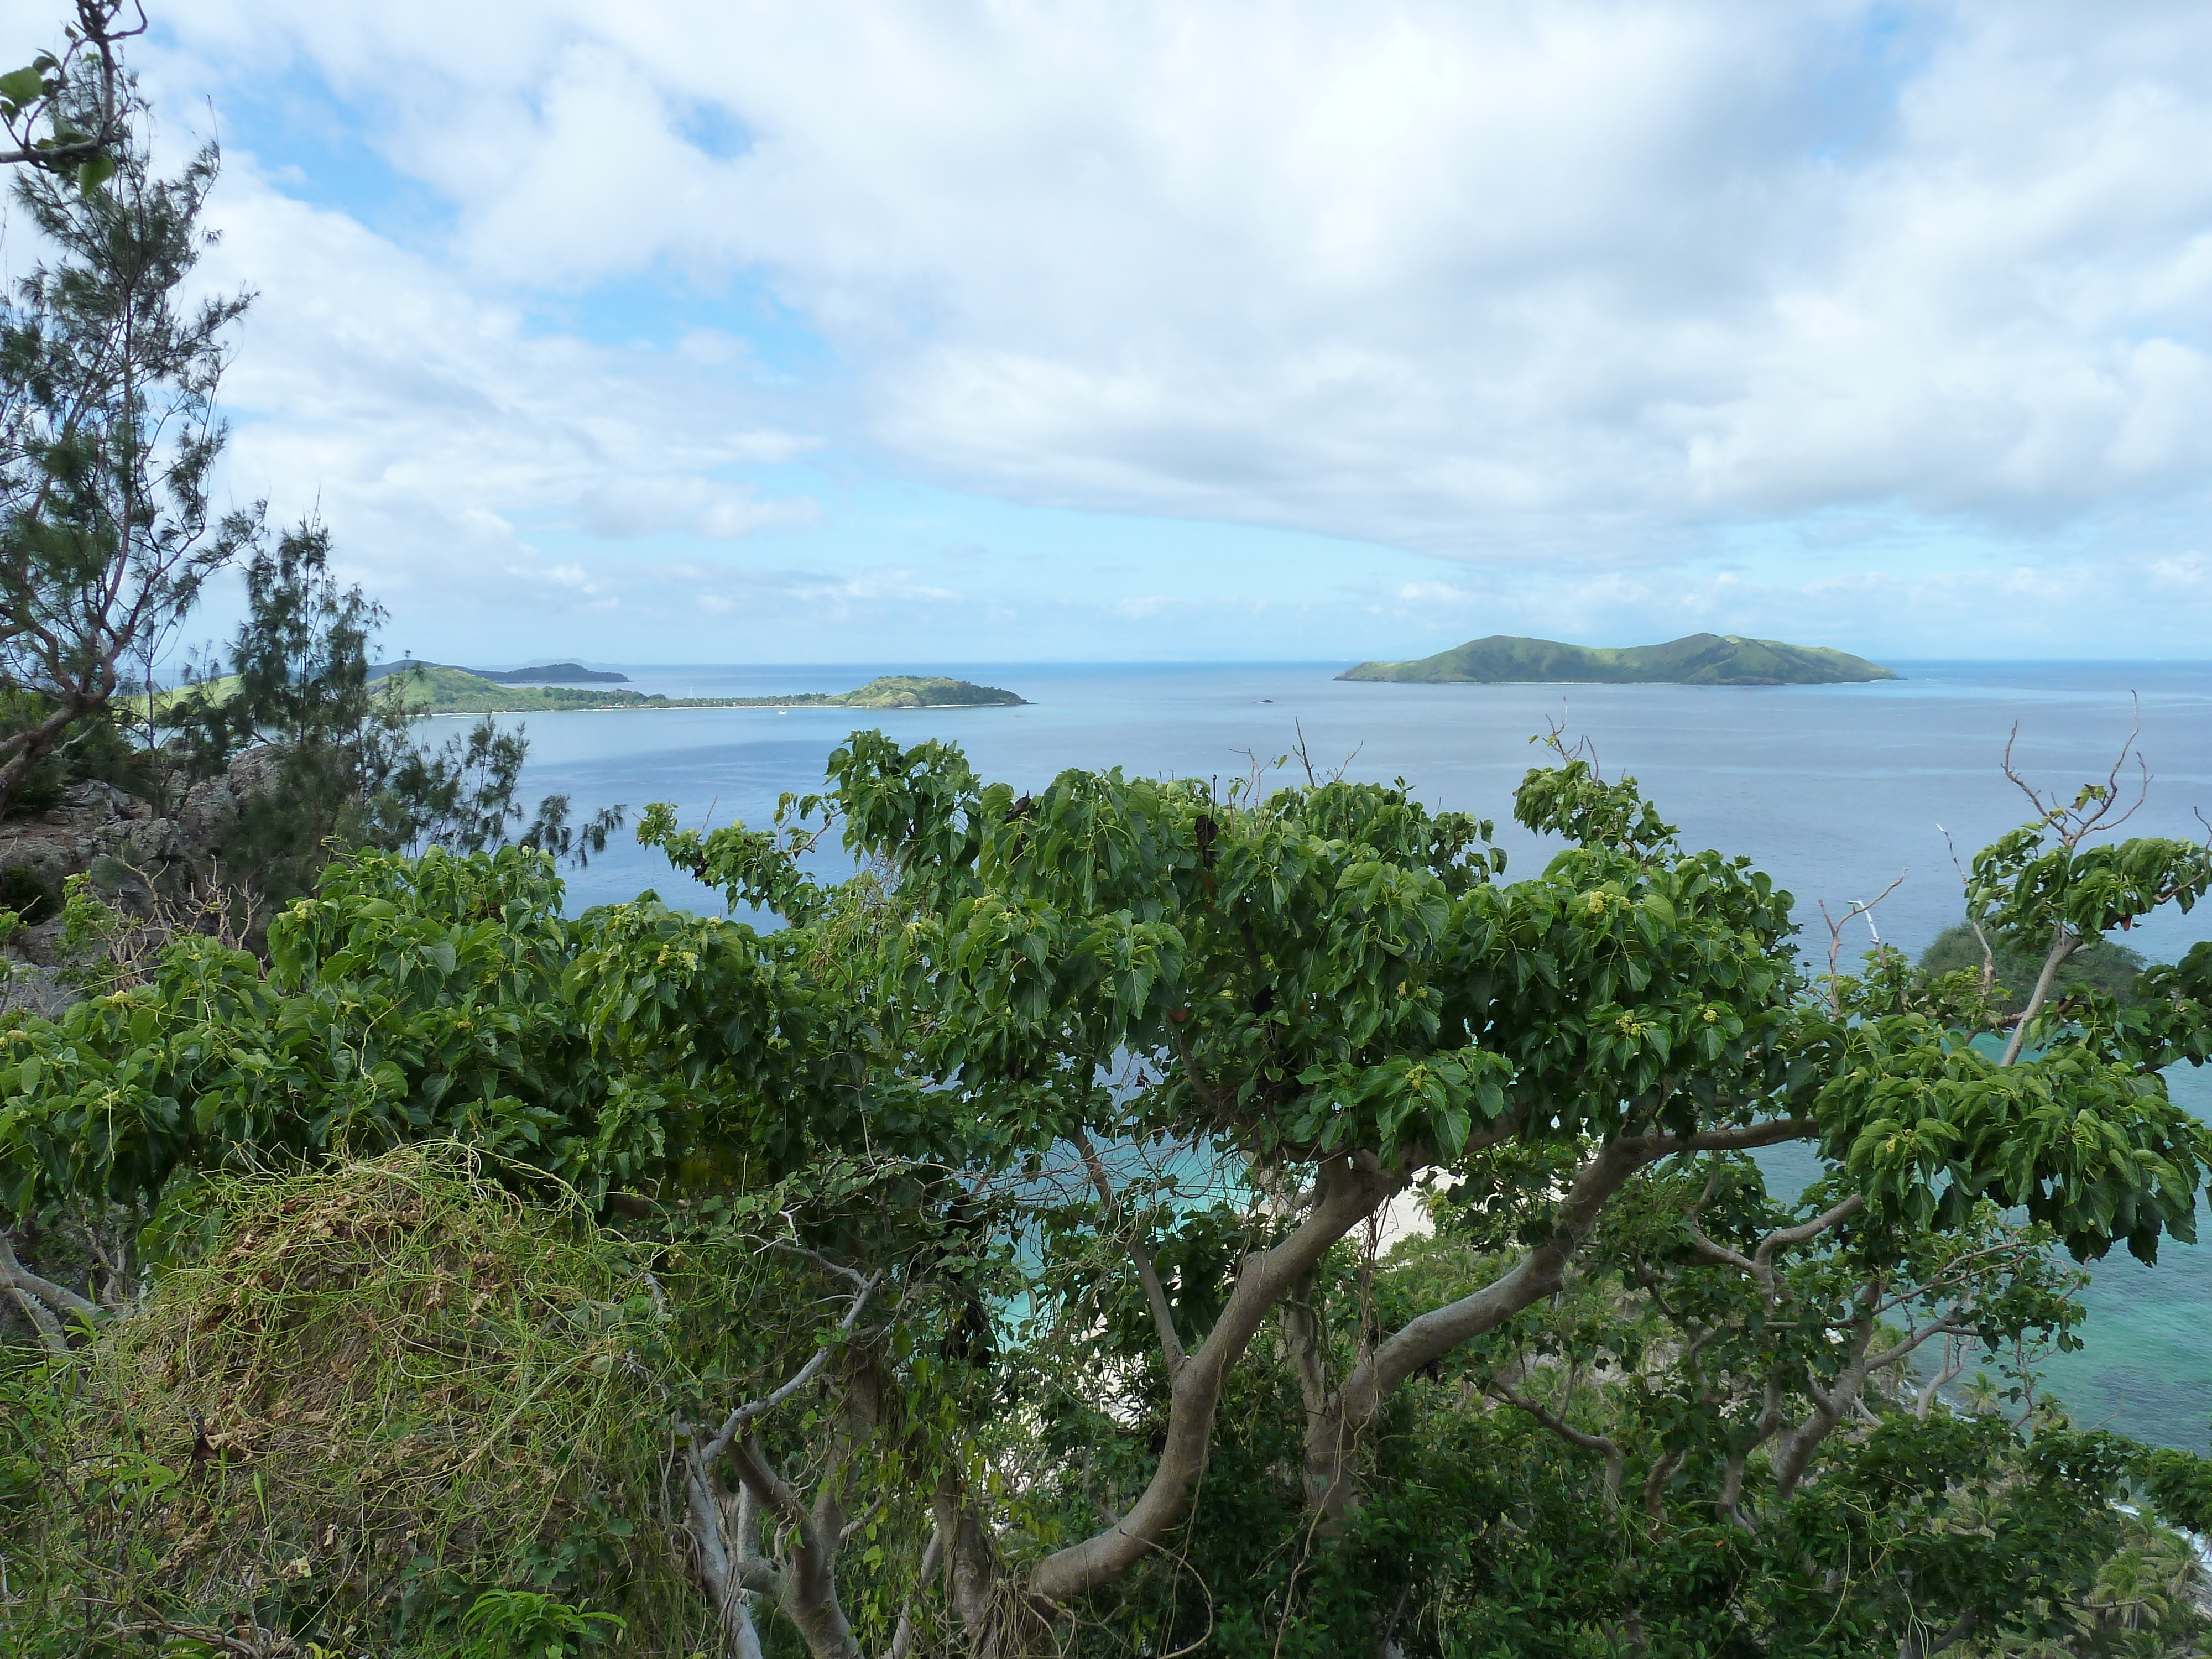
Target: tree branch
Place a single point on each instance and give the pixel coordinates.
(806, 1374)
(1539, 1273)
(1262, 1281)
(1558, 1426)
(2064, 943)
(41, 1298)
(1171, 1347)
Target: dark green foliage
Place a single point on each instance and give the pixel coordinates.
(108, 376)
(31, 899)
(2105, 965)
(1696, 659)
(1489, 1538)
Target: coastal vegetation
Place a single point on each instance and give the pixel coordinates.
(2104, 966)
(1006, 1252)
(556, 674)
(1695, 659)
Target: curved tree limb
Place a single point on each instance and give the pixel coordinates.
(1539, 1273)
(1348, 1196)
(1557, 1423)
(40, 1298)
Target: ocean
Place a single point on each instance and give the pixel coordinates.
(1837, 790)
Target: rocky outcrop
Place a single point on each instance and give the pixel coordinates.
(130, 851)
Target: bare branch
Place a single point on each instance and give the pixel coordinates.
(1557, 1423)
(1171, 1348)
(838, 1268)
(1857, 909)
(806, 1373)
(2077, 822)
(1953, 1362)
(2064, 943)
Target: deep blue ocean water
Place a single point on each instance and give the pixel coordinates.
(1835, 790)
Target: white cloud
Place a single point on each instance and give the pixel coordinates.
(1587, 284)
(436, 429)
(697, 506)
(1414, 271)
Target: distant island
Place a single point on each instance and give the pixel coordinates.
(551, 673)
(439, 689)
(548, 673)
(1698, 659)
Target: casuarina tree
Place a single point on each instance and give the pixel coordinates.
(108, 434)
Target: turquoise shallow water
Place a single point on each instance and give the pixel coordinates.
(2147, 1370)
(1835, 790)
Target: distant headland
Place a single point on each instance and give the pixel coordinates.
(1698, 659)
(551, 673)
(543, 673)
(437, 688)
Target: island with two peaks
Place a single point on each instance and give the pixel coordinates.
(436, 689)
(1698, 659)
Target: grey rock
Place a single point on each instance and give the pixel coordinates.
(43, 858)
(208, 814)
(35, 988)
(42, 945)
(149, 843)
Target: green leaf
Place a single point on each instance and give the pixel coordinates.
(23, 86)
(93, 172)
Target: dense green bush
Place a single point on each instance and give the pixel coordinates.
(994, 1255)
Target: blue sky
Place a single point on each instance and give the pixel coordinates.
(938, 331)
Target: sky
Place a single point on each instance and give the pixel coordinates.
(945, 332)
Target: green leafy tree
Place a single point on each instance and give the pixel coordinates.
(1021, 1202)
(1330, 990)
(69, 114)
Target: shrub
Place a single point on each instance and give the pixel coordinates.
(378, 1392)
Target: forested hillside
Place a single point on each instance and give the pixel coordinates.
(1695, 659)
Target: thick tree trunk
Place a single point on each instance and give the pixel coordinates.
(721, 1548)
(808, 1582)
(41, 1299)
(1348, 1194)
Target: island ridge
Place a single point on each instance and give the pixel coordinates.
(1697, 659)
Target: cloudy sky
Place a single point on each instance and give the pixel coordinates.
(646, 331)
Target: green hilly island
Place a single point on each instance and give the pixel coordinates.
(437, 688)
(1697, 659)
